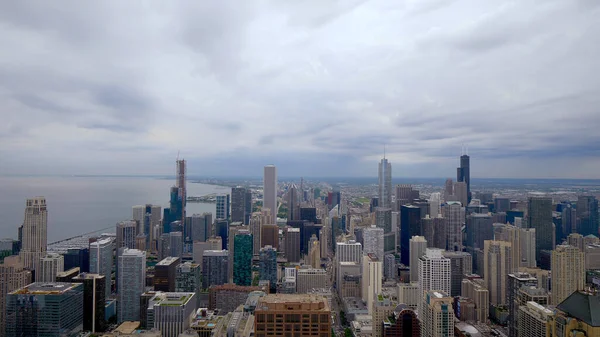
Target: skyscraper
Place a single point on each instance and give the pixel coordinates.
(147, 218)
(463, 174)
(385, 183)
(539, 216)
(165, 273)
(454, 214)
(12, 277)
(126, 233)
(523, 242)
(438, 314)
(215, 267)
(94, 301)
(188, 279)
(223, 204)
(35, 232)
(410, 219)
(372, 276)
(568, 272)
(132, 281)
(101, 260)
(434, 273)
(242, 258)
(181, 186)
(460, 193)
(201, 225)
(238, 205)
(587, 215)
(514, 283)
(374, 241)
(418, 246)
(461, 264)
(497, 265)
(171, 313)
(50, 265)
(267, 268)
(534, 320)
(292, 244)
(435, 203)
(45, 309)
(176, 244)
(270, 190)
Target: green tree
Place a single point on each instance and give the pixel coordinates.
(348, 333)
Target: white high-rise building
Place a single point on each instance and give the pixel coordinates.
(385, 184)
(270, 190)
(35, 232)
(101, 260)
(373, 239)
(418, 246)
(435, 205)
(50, 266)
(309, 278)
(350, 251)
(533, 320)
(132, 282)
(434, 272)
(372, 276)
(454, 214)
(172, 312)
(126, 233)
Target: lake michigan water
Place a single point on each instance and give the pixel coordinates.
(78, 205)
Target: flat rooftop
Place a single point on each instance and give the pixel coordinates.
(45, 288)
(293, 302)
(171, 299)
(127, 327)
(167, 261)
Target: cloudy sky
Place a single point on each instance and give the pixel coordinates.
(317, 87)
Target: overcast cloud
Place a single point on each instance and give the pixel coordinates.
(316, 87)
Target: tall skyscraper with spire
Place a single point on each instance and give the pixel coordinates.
(385, 183)
(35, 232)
(463, 173)
(270, 190)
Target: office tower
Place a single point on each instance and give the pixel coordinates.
(569, 219)
(12, 276)
(35, 232)
(349, 275)
(382, 308)
(449, 190)
(475, 290)
(67, 275)
(372, 275)
(410, 220)
(404, 196)
(48, 267)
(576, 240)
(248, 207)
(222, 231)
(255, 230)
(176, 244)
(539, 216)
(533, 320)
(461, 264)
(568, 272)
(390, 269)
(435, 203)
(333, 199)
(438, 315)
(126, 233)
(292, 244)
(199, 248)
(181, 170)
(301, 315)
(418, 245)
(45, 309)
(454, 214)
(514, 283)
(434, 231)
(587, 215)
(408, 293)
(501, 204)
(132, 281)
(350, 251)
(385, 184)
(101, 261)
(373, 241)
(383, 219)
(223, 204)
(215, 266)
(228, 297)
(270, 190)
(314, 252)
(463, 174)
(292, 203)
(403, 322)
(460, 193)
(479, 228)
(165, 273)
(497, 264)
(188, 279)
(200, 226)
(147, 218)
(242, 258)
(309, 278)
(269, 235)
(171, 313)
(238, 205)
(267, 268)
(434, 272)
(178, 197)
(94, 301)
(523, 241)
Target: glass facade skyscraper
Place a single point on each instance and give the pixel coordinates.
(268, 266)
(242, 259)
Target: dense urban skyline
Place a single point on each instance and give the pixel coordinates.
(315, 89)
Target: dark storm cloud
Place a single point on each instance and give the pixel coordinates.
(316, 88)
